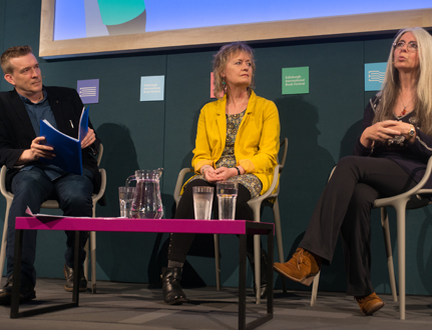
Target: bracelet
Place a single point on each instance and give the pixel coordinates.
(411, 132)
(238, 170)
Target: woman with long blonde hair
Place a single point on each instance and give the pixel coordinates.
(390, 158)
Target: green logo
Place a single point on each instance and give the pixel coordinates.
(295, 80)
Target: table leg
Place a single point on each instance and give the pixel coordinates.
(270, 256)
(17, 279)
(16, 274)
(77, 270)
(242, 282)
(242, 285)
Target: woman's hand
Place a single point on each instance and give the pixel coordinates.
(381, 131)
(224, 173)
(404, 129)
(209, 174)
(220, 174)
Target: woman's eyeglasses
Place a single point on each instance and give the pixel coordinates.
(411, 46)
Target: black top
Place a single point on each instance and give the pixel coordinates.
(410, 157)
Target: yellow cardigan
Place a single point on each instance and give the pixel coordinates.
(257, 142)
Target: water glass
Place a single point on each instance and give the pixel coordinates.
(227, 197)
(203, 202)
(126, 195)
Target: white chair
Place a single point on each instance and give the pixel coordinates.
(412, 199)
(270, 198)
(53, 204)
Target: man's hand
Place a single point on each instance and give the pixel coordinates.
(37, 150)
(89, 139)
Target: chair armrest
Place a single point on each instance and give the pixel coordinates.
(5, 193)
(100, 154)
(101, 192)
(269, 192)
(179, 183)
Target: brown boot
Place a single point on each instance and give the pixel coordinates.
(302, 267)
(370, 304)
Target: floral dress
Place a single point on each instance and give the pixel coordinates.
(248, 180)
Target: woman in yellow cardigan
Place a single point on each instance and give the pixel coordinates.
(237, 140)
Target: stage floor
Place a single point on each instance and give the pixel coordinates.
(134, 306)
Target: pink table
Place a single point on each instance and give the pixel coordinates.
(237, 227)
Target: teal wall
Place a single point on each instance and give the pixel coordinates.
(322, 127)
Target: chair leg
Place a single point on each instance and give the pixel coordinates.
(400, 210)
(93, 260)
(278, 229)
(4, 238)
(86, 248)
(3, 248)
(257, 260)
(389, 252)
(217, 261)
(315, 289)
(257, 253)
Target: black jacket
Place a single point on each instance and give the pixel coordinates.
(17, 133)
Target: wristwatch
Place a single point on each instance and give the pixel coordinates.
(411, 132)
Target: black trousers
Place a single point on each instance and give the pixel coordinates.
(180, 243)
(345, 207)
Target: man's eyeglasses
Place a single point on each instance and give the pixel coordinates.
(411, 46)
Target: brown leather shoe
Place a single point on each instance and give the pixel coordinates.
(302, 267)
(370, 304)
(69, 275)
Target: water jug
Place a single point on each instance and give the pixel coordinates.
(147, 201)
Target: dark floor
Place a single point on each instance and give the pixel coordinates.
(133, 306)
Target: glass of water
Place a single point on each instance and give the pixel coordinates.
(227, 197)
(126, 195)
(203, 202)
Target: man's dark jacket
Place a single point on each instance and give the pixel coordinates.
(17, 133)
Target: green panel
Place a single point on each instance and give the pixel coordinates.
(22, 24)
(184, 100)
(315, 125)
(2, 33)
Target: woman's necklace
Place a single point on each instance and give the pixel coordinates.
(404, 110)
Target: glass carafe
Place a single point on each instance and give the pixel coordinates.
(147, 202)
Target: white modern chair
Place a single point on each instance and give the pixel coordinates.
(270, 198)
(53, 204)
(412, 199)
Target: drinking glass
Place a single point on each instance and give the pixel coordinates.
(227, 197)
(203, 202)
(126, 195)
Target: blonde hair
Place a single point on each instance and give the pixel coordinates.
(220, 61)
(13, 52)
(391, 85)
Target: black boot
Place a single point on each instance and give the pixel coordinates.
(263, 268)
(26, 292)
(172, 291)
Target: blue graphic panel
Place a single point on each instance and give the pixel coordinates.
(374, 75)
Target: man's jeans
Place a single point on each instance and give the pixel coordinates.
(31, 188)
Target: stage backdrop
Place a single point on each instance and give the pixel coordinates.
(322, 126)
